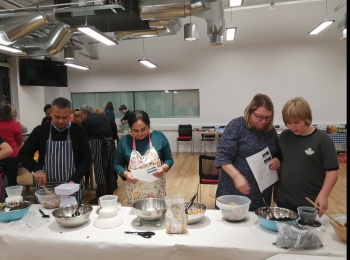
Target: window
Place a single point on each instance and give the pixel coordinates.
(158, 104)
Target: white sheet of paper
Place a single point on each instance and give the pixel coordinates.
(259, 164)
(146, 174)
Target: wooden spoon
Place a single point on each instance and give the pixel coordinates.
(219, 200)
(338, 223)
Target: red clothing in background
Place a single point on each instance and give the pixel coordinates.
(11, 132)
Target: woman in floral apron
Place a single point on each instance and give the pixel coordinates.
(141, 149)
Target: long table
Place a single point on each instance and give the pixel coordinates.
(211, 238)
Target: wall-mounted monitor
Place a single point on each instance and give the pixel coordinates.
(46, 73)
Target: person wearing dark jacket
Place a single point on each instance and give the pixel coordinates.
(64, 151)
(47, 118)
(100, 135)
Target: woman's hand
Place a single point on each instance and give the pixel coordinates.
(40, 178)
(160, 173)
(129, 178)
(241, 184)
(274, 164)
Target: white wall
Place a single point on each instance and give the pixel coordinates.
(272, 54)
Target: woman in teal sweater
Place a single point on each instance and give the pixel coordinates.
(141, 149)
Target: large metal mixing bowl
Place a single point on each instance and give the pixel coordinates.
(65, 216)
(150, 208)
(195, 218)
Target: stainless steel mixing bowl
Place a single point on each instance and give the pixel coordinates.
(195, 218)
(65, 216)
(150, 208)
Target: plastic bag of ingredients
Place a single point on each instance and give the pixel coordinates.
(291, 237)
(175, 216)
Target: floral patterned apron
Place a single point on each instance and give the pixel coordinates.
(141, 190)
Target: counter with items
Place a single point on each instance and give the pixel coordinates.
(35, 237)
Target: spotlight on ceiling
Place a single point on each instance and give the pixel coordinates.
(69, 53)
(272, 6)
(190, 32)
(342, 26)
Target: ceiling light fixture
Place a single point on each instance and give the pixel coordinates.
(69, 53)
(325, 23)
(190, 30)
(9, 49)
(272, 6)
(96, 34)
(231, 31)
(144, 61)
(77, 66)
(232, 3)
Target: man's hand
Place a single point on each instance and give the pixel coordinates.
(40, 178)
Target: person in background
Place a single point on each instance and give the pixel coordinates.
(14, 117)
(109, 111)
(140, 149)
(5, 151)
(115, 137)
(77, 117)
(243, 137)
(124, 119)
(309, 161)
(47, 118)
(11, 132)
(102, 146)
(64, 150)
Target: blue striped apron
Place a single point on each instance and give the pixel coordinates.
(100, 175)
(59, 164)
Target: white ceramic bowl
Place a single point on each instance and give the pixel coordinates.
(231, 212)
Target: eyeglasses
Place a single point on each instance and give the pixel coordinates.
(261, 118)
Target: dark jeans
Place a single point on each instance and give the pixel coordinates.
(281, 204)
(10, 166)
(3, 191)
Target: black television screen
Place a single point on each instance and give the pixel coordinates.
(45, 73)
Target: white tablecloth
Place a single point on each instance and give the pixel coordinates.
(212, 238)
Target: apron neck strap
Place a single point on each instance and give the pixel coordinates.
(134, 142)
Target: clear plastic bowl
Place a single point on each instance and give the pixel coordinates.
(234, 212)
(14, 191)
(48, 201)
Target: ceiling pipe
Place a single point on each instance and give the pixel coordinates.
(168, 27)
(12, 29)
(52, 44)
(210, 10)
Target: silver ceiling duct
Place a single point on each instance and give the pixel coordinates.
(161, 16)
(51, 44)
(12, 29)
(158, 28)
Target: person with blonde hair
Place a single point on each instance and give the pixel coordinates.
(77, 117)
(243, 137)
(309, 161)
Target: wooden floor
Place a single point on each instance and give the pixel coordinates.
(183, 179)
